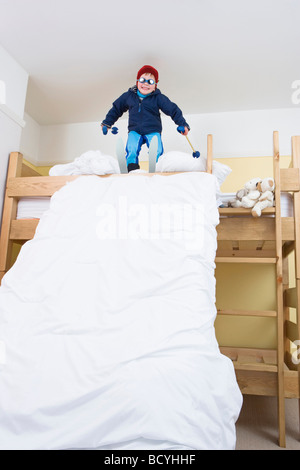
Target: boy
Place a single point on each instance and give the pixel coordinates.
(144, 102)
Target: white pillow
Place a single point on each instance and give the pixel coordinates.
(181, 161)
(92, 162)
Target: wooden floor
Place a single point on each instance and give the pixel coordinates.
(257, 425)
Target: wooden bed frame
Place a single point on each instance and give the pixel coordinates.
(241, 239)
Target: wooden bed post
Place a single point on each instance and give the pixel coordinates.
(296, 164)
(279, 294)
(9, 212)
(209, 154)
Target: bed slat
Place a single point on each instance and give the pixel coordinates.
(46, 186)
(36, 185)
(23, 229)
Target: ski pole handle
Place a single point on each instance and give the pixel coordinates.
(180, 129)
(105, 129)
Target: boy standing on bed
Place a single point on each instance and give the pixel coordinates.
(144, 101)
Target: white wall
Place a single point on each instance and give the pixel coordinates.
(14, 79)
(235, 134)
(247, 133)
(30, 140)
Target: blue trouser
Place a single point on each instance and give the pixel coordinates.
(135, 142)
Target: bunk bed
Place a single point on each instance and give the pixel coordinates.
(269, 239)
(110, 341)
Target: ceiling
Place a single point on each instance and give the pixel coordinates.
(212, 55)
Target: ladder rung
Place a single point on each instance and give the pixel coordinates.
(249, 313)
(232, 259)
(235, 211)
(255, 366)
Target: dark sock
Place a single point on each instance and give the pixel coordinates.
(133, 166)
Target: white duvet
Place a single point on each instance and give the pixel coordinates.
(107, 336)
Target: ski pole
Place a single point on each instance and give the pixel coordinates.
(196, 154)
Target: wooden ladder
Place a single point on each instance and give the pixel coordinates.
(296, 164)
(248, 361)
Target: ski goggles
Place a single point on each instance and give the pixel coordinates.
(144, 80)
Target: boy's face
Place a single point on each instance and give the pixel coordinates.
(145, 88)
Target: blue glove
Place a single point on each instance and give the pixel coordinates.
(181, 129)
(114, 130)
(104, 130)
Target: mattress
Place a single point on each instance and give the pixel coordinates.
(31, 208)
(107, 322)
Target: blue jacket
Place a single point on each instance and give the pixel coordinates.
(144, 114)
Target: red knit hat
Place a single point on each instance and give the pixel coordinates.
(148, 69)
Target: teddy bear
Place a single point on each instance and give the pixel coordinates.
(237, 202)
(266, 199)
(253, 193)
(248, 195)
